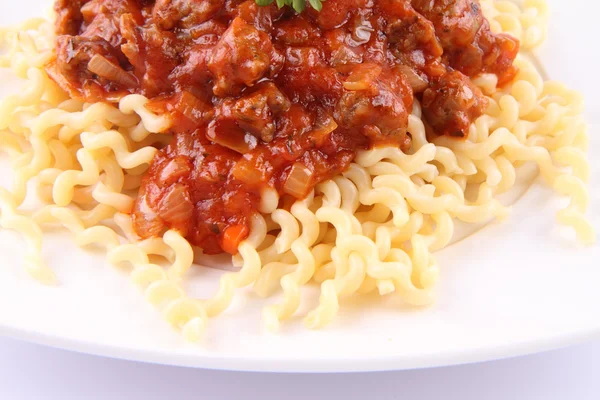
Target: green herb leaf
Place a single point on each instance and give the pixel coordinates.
(298, 5)
(316, 4)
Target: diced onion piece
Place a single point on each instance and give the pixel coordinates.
(298, 181)
(360, 85)
(241, 144)
(174, 169)
(190, 106)
(324, 126)
(176, 207)
(362, 33)
(91, 9)
(417, 83)
(361, 30)
(228, 134)
(245, 171)
(362, 77)
(101, 66)
(232, 237)
(145, 221)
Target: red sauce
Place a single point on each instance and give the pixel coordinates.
(262, 97)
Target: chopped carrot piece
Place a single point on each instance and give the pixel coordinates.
(232, 237)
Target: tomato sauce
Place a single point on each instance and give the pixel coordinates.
(261, 97)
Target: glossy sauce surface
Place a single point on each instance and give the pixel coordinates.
(261, 97)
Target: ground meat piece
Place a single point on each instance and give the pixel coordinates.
(498, 53)
(253, 113)
(112, 8)
(184, 13)
(152, 53)
(377, 103)
(102, 18)
(194, 72)
(68, 16)
(452, 103)
(241, 58)
(456, 21)
(408, 31)
(465, 34)
(106, 27)
(73, 54)
(306, 77)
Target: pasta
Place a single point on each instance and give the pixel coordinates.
(373, 228)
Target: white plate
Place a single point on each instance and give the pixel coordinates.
(513, 288)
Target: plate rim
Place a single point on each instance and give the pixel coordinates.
(393, 362)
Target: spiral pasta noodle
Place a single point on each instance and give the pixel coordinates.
(373, 228)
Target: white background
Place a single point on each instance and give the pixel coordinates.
(34, 372)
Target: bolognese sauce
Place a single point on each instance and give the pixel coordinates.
(265, 97)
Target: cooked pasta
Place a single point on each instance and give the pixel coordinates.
(372, 228)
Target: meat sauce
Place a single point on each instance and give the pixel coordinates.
(264, 97)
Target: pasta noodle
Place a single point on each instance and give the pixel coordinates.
(373, 228)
